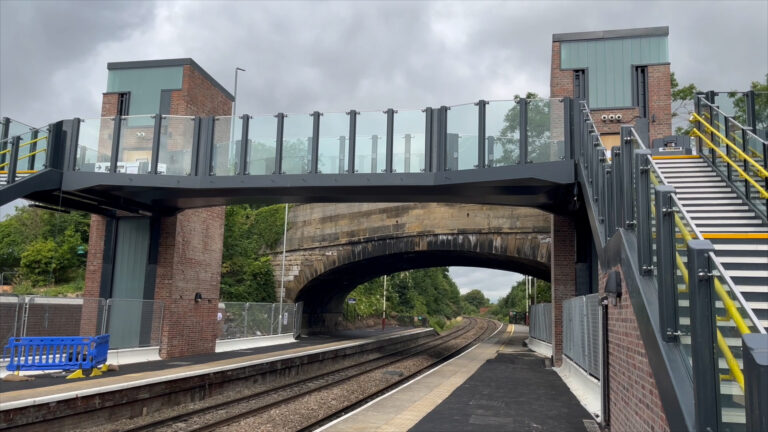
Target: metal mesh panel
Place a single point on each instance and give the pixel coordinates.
(581, 332)
(242, 320)
(57, 316)
(10, 317)
(541, 322)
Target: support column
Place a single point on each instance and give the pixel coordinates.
(189, 262)
(563, 277)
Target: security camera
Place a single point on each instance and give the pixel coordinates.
(604, 117)
(611, 117)
(618, 117)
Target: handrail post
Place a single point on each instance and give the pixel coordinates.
(242, 168)
(5, 125)
(156, 144)
(610, 213)
(567, 132)
(728, 150)
(66, 146)
(618, 189)
(315, 142)
(390, 138)
(352, 140)
(13, 160)
(665, 262)
(279, 144)
(755, 349)
(32, 149)
(749, 99)
(429, 140)
(523, 130)
(642, 174)
(442, 138)
(628, 180)
(481, 133)
(196, 140)
(703, 330)
(115, 144)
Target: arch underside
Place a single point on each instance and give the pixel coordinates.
(324, 295)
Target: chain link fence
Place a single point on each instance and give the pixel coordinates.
(581, 332)
(244, 320)
(130, 323)
(541, 322)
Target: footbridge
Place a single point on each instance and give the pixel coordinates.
(672, 237)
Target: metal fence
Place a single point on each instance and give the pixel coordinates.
(242, 320)
(541, 322)
(581, 332)
(131, 323)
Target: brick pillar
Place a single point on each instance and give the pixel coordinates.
(189, 261)
(563, 265)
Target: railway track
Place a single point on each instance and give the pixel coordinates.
(311, 402)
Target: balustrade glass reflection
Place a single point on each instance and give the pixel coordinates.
(227, 137)
(135, 144)
(546, 130)
(94, 144)
(332, 146)
(461, 151)
(297, 144)
(371, 142)
(175, 151)
(502, 131)
(262, 147)
(408, 141)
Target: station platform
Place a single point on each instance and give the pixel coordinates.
(498, 385)
(53, 388)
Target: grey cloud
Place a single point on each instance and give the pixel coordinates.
(493, 283)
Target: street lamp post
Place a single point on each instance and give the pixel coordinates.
(234, 101)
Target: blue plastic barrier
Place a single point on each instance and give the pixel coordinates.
(56, 353)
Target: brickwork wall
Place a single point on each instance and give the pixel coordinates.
(635, 403)
(563, 277)
(660, 100)
(199, 97)
(560, 81)
(189, 261)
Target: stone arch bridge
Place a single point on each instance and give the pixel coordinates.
(332, 248)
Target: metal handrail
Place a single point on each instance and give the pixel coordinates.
(695, 117)
(745, 176)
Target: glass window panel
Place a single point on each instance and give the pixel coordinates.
(227, 134)
(297, 143)
(262, 147)
(408, 142)
(135, 145)
(371, 142)
(332, 146)
(546, 130)
(94, 144)
(462, 137)
(502, 130)
(176, 139)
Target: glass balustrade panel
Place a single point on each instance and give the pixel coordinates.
(371, 142)
(297, 144)
(409, 141)
(227, 137)
(461, 151)
(176, 140)
(94, 145)
(761, 115)
(546, 130)
(135, 144)
(502, 130)
(333, 142)
(262, 145)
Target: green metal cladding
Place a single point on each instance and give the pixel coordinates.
(145, 85)
(609, 63)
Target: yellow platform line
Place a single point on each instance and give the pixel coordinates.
(676, 157)
(735, 235)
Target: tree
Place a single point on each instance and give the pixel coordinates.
(476, 299)
(682, 102)
(538, 132)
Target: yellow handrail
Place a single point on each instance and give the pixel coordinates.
(33, 141)
(745, 176)
(695, 117)
(32, 154)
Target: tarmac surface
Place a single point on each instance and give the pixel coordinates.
(497, 386)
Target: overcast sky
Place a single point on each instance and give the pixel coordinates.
(328, 56)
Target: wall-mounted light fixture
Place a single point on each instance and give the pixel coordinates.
(613, 287)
